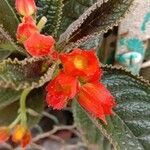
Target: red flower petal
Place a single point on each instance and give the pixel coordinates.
(60, 89)
(25, 30)
(4, 134)
(39, 45)
(83, 64)
(96, 99)
(26, 140)
(56, 101)
(25, 7)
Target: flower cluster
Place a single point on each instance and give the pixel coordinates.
(28, 32)
(80, 77)
(20, 134)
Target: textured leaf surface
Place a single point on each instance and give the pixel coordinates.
(129, 128)
(72, 10)
(29, 73)
(98, 19)
(7, 45)
(52, 10)
(8, 18)
(35, 101)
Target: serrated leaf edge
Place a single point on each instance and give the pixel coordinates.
(43, 79)
(139, 78)
(75, 25)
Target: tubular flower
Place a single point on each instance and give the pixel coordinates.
(21, 134)
(62, 88)
(83, 64)
(4, 134)
(26, 7)
(39, 45)
(96, 99)
(25, 30)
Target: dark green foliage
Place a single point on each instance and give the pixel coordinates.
(35, 101)
(99, 18)
(8, 18)
(52, 10)
(129, 128)
(29, 73)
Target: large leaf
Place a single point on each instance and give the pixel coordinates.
(8, 18)
(29, 73)
(7, 45)
(8, 96)
(130, 127)
(72, 10)
(35, 101)
(98, 19)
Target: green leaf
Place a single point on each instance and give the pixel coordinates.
(52, 10)
(129, 128)
(29, 73)
(99, 18)
(35, 101)
(72, 10)
(8, 18)
(7, 45)
(8, 96)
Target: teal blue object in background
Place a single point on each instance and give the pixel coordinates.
(133, 58)
(146, 20)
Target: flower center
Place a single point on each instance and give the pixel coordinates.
(80, 62)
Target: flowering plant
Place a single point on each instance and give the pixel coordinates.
(56, 70)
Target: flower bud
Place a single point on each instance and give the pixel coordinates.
(4, 134)
(26, 139)
(25, 7)
(18, 133)
(22, 135)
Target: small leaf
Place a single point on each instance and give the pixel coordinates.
(8, 18)
(29, 73)
(35, 101)
(99, 18)
(129, 128)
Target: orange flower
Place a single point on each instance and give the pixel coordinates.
(96, 99)
(22, 135)
(4, 134)
(39, 45)
(62, 88)
(83, 64)
(26, 29)
(80, 76)
(25, 7)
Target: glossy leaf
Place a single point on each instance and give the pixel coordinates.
(8, 18)
(129, 128)
(35, 101)
(29, 73)
(99, 18)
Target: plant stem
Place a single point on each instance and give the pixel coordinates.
(23, 106)
(13, 124)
